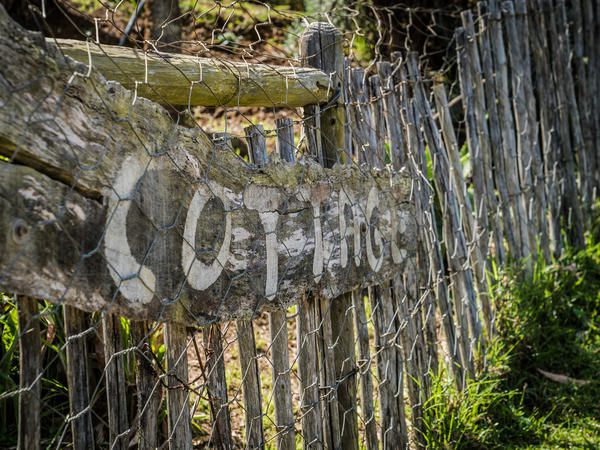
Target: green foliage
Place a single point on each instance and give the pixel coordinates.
(551, 323)
(55, 402)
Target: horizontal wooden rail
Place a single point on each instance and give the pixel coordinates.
(190, 80)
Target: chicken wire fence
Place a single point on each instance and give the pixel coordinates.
(212, 238)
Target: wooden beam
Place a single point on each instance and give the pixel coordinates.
(178, 79)
(113, 206)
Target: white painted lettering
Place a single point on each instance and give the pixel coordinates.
(199, 275)
(372, 203)
(136, 282)
(266, 200)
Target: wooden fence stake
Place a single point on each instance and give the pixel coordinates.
(180, 431)
(571, 140)
(251, 385)
(430, 263)
(507, 127)
(487, 67)
(539, 187)
(481, 155)
(364, 367)
(245, 331)
(30, 373)
(116, 387)
(522, 120)
(217, 388)
(76, 325)
(548, 124)
(149, 387)
(312, 426)
(282, 386)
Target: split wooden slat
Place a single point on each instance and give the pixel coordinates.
(282, 387)
(463, 201)
(428, 300)
(571, 138)
(392, 115)
(116, 388)
(216, 381)
(362, 124)
(540, 52)
(522, 122)
(507, 127)
(393, 424)
(76, 326)
(491, 108)
(406, 286)
(257, 147)
(345, 369)
(327, 374)
(149, 386)
(457, 250)
(537, 167)
(364, 367)
(581, 24)
(582, 157)
(433, 285)
(30, 374)
(481, 155)
(378, 153)
(425, 273)
(308, 370)
(253, 436)
(591, 54)
(178, 408)
(285, 140)
(348, 145)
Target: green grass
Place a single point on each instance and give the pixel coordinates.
(549, 322)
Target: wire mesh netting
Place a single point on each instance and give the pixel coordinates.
(273, 225)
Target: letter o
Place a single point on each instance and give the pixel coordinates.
(201, 276)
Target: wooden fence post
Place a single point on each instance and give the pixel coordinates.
(76, 325)
(180, 427)
(254, 438)
(364, 367)
(30, 374)
(548, 123)
(149, 387)
(116, 388)
(321, 48)
(487, 67)
(245, 331)
(393, 422)
(217, 387)
(481, 155)
(507, 127)
(282, 386)
(571, 139)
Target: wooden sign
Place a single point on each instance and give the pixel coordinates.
(107, 203)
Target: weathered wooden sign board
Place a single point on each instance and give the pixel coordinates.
(107, 203)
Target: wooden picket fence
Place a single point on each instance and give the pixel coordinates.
(338, 274)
